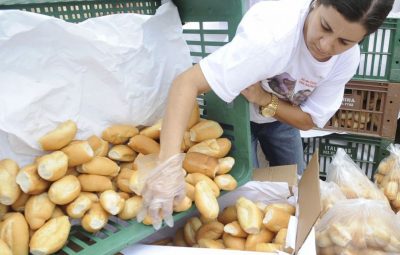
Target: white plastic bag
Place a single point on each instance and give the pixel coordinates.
(114, 69)
(348, 176)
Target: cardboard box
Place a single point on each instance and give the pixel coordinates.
(301, 235)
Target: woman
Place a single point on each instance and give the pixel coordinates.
(291, 59)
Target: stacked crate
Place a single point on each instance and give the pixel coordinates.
(370, 105)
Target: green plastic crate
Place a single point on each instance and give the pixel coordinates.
(203, 38)
(366, 151)
(380, 54)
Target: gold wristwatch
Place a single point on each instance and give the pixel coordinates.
(270, 109)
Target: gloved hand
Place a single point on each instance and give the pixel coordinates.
(162, 185)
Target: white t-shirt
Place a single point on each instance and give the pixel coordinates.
(269, 46)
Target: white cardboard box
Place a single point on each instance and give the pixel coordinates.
(276, 183)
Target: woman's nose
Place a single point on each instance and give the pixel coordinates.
(326, 44)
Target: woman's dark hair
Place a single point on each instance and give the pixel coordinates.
(369, 13)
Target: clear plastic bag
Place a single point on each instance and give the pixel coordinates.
(388, 176)
(351, 180)
(358, 226)
(330, 194)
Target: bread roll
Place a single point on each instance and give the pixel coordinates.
(119, 134)
(59, 137)
(190, 229)
(78, 152)
(112, 202)
(212, 230)
(183, 205)
(51, 237)
(9, 189)
(92, 196)
(131, 208)
(391, 190)
(225, 165)
(53, 166)
(79, 206)
(4, 249)
(38, 209)
(100, 166)
(322, 239)
(153, 131)
(14, 231)
(179, 239)
(29, 180)
(205, 220)
(228, 215)
(205, 200)
(199, 163)
(269, 247)
(65, 190)
(204, 130)
(233, 242)
(339, 234)
(377, 234)
(95, 219)
(194, 178)
(234, 229)
(249, 216)
(264, 236)
(282, 206)
(144, 145)
(275, 219)
(210, 243)
(99, 146)
(393, 246)
(57, 212)
(19, 205)
(123, 179)
(225, 182)
(280, 237)
(194, 116)
(217, 148)
(122, 153)
(94, 183)
(190, 190)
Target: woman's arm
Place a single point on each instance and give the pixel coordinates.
(287, 113)
(181, 99)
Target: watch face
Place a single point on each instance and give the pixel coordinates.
(267, 112)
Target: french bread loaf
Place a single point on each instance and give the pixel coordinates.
(249, 216)
(14, 231)
(29, 180)
(119, 134)
(9, 189)
(112, 202)
(122, 153)
(144, 145)
(58, 137)
(100, 166)
(205, 200)
(53, 166)
(195, 162)
(99, 146)
(94, 183)
(38, 209)
(204, 130)
(78, 152)
(64, 190)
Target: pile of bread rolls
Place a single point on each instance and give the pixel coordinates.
(387, 176)
(245, 225)
(358, 226)
(350, 178)
(90, 180)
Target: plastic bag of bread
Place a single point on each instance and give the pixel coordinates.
(330, 194)
(358, 226)
(388, 176)
(350, 179)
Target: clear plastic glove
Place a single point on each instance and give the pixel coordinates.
(162, 185)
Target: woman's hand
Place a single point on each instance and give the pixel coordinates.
(257, 95)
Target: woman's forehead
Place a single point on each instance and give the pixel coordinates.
(352, 31)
